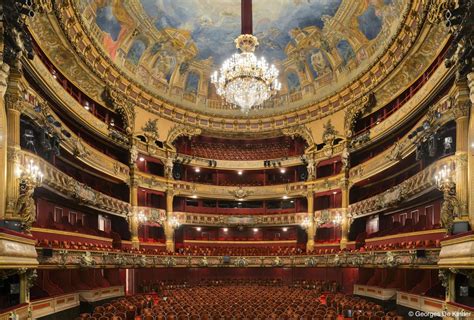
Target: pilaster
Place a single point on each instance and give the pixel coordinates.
(311, 227)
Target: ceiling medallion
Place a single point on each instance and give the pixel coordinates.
(244, 80)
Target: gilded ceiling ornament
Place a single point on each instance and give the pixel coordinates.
(150, 130)
(181, 130)
(300, 131)
(330, 133)
(122, 106)
(355, 111)
(240, 193)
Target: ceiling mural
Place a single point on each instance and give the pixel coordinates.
(318, 45)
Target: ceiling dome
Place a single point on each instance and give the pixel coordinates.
(170, 47)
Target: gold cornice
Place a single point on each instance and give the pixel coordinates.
(408, 234)
(450, 242)
(19, 239)
(72, 234)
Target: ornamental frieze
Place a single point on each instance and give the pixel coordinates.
(91, 259)
(189, 218)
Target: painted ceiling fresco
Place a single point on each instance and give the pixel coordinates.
(173, 45)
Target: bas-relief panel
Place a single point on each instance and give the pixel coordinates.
(163, 37)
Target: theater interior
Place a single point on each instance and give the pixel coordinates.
(236, 159)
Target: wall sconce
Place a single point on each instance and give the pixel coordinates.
(174, 223)
(306, 223)
(337, 220)
(142, 218)
(444, 179)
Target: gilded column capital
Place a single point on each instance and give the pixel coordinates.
(13, 102)
(461, 109)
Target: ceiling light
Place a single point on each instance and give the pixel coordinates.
(225, 229)
(334, 192)
(285, 229)
(244, 80)
(285, 197)
(292, 201)
(255, 229)
(198, 228)
(86, 105)
(197, 170)
(282, 170)
(141, 159)
(240, 172)
(194, 196)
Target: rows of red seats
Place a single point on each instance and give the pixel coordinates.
(240, 151)
(242, 299)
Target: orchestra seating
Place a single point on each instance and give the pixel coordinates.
(242, 299)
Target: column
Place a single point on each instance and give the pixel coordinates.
(14, 107)
(168, 227)
(345, 223)
(4, 72)
(133, 218)
(470, 158)
(311, 227)
(451, 287)
(461, 116)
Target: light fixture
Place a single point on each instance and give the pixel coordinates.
(285, 229)
(86, 105)
(334, 192)
(112, 122)
(198, 228)
(142, 218)
(197, 169)
(306, 223)
(225, 229)
(282, 170)
(240, 172)
(292, 201)
(444, 178)
(141, 159)
(337, 219)
(244, 80)
(255, 229)
(285, 197)
(174, 222)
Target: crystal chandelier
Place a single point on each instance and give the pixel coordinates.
(244, 80)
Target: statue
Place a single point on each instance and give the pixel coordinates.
(26, 207)
(449, 208)
(345, 159)
(310, 168)
(86, 260)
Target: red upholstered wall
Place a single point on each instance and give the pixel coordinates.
(344, 276)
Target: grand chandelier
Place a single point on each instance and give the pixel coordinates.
(244, 80)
